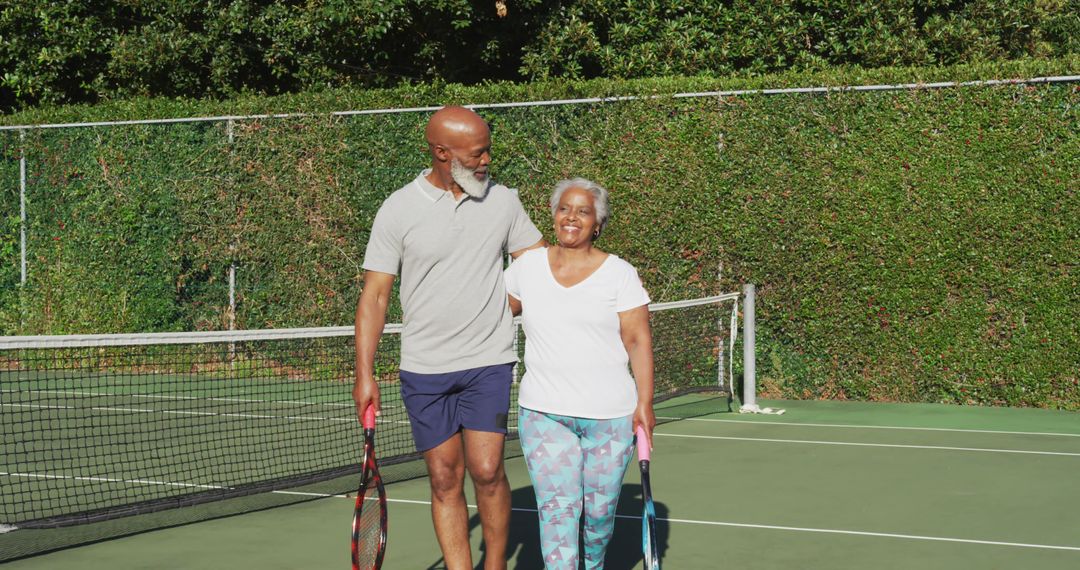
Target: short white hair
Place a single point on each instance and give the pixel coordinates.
(599, 194)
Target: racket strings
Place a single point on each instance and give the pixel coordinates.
(648, 521)
(367, 525)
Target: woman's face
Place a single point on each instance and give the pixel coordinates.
(575, 218)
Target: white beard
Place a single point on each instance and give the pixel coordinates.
(466, 179)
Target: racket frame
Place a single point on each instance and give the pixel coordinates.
(369, 477)
(648, 514)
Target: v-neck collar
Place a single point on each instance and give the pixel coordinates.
(551, 272)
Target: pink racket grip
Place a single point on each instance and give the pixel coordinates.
(369, 417)
(642, 445)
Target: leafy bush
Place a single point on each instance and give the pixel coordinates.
(94, 50)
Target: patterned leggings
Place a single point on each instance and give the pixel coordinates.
(575, 462)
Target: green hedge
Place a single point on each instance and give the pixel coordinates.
(10, 270)
(908, 245)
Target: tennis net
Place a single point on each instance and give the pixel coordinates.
(104, 426)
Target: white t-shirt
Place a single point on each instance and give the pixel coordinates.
(575, 360)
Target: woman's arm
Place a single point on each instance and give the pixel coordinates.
(515, 305)
(637, 338)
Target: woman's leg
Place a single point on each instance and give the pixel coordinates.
(553, 456)
(607, 446)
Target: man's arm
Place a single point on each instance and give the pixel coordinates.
(370, 320)
(515, 305)
(541, 243)
(637, 338)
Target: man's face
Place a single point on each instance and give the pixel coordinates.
(471, 180)
(469, 166)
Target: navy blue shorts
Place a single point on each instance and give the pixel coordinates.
(440, 405)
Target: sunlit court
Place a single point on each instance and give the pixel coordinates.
(830, 251)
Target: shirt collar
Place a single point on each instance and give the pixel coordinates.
(432, 192)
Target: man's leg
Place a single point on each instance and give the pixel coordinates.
(484, 458)
(449, 512)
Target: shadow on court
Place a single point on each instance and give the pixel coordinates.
(624, 551)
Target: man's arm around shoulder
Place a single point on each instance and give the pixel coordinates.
(516, 254)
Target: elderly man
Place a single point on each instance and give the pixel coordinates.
(446, 234)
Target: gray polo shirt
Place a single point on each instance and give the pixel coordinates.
(449, 256)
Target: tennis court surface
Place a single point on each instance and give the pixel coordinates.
(826, 485)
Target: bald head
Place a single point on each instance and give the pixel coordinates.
(460, 145)
(455, 126)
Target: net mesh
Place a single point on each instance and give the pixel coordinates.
(104, 426)
(101, 431)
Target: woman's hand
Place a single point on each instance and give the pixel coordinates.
(646, 419)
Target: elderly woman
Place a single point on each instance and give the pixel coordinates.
(585, 316)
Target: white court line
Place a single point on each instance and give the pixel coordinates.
(185, 413)
(111, 480)
(303, 494)
(778, 527)
(172, 397)
(769, 423)
(38, 406)
(185, 398)
(349, 418)
(857, 444)
(873, 534)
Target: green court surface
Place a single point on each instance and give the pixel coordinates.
(827, 485)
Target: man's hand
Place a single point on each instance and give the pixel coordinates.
(365, 393)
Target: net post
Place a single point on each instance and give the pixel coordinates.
(720, 337)
(232, 307)
(232, 294)
(749, 364)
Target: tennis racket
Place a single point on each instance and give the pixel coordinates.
(369, 518)
(648, 514)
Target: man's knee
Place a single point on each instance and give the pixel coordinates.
(484, 459)
(487, 472)
(446, 486)
(447, 477)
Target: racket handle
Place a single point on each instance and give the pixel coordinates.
(642, 445)
(369, 417)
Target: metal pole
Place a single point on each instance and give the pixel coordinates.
(720, 336)
(232, 266)
(22, 206)
(232, 297)
(232, 253)
(749, 364)
(710, 94)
